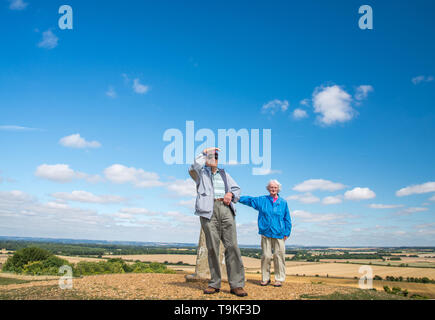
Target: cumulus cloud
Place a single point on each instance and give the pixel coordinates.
(304, 102)
(299, 114)
(137, 211)
(318, 184)
(384, 206)
(304, 198)
(111, 93)
(87, 197)
(265, 172)
(359, 194)
(182, 188)
(416, 189)
(49, 40)
(274, 106)
(58, 172)
(419, 79)
(17, 5)
(139, 88)
(63, 173)
(120, 174)
(329, 218)
(190, 204)
(411, 210)
(332, 200)
(362, 92)
(76, 141)
(333, 104)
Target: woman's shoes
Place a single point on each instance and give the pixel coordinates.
(265, 283)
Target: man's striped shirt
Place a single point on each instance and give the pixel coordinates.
(218, 184)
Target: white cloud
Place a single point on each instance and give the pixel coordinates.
(137, 211)
(384, 206)
(187, 203)
(182, 188)
(416, 189)
(359, 194)
(432, 198)
(139, 88)
(299, 114)
(87, 197)
(118, 173)
(17, 5)
(419, 79)
(14, 196)
(16, 128)
(111, 92)
(58, 172)
(304, 198)
(265, 172)
(362, 92)
(333, 104)
(332, 218)
(318, 184)
(304, 102)
(274, 106)
(63, 173)
(332, 200)
(49, 40)
(76, 141)
(411, 210)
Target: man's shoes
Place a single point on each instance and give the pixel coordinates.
(277, 284)
(239, 292)
(211, 290)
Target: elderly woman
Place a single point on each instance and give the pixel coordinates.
(274, 226)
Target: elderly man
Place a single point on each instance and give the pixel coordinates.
(216, 194)
(274, 226)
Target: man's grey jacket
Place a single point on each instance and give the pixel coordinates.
(202, 176)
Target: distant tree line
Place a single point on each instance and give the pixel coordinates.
(92, 249)
(305, 255)
(407, 279)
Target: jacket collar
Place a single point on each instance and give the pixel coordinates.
(271, 198)
(209, 170)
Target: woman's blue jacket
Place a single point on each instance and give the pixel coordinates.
(273, 217)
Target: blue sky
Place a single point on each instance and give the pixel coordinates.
(351, 111)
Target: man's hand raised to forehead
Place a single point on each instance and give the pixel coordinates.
(210, 150)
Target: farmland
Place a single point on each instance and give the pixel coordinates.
(304, 266)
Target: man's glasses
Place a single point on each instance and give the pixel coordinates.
(212, 156)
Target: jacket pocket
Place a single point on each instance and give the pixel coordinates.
(202, 204)
(263, 223)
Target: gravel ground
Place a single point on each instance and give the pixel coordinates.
(157, 286)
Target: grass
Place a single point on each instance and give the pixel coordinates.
(6, 281)
(358, 294)
(52, 292)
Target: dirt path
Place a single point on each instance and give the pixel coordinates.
(156, 286)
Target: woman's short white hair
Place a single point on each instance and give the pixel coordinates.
(274, 182)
